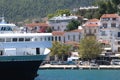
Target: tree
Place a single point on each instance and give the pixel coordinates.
(110, 8)
(60, 50)
(50, 16)
(59, 12)
(116, 2)
(89, 48)
(102, 7)
(73, 24)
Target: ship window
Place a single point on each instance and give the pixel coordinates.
(21, 39)
(2, 40)
(40, 39)
(14, 39)
(6, 29)
(8, 40)
(45, 38)
(3, 29)
(27, 39)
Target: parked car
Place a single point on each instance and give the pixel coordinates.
(115, 62)
(55, 63)
(71, 63)
(103, 62)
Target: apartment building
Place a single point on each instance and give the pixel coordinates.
(109, 31)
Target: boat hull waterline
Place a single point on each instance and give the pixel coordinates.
(20, 67)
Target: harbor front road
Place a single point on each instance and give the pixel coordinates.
(49, 66)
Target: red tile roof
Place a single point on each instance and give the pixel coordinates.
(110, 16)
(104, 41)
(77, 30)
(72, 43)
(58, 33)
(91, 25)
(93, 20)
(37, 24)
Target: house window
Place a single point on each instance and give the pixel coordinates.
(55, 38)
(64, 39)
(119, 42)
(68, 37)
(79, 36)
(58, 28)
(52, 28)
(59, 38)
(103, 33)
(73, 37)
(118, 49)
(90, 31)
(94, 30)
(114, 19)
(113, 25)
(105, 25)
(118, 34)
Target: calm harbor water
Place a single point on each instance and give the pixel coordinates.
(78, 74)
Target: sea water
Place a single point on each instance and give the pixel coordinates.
(62, 74)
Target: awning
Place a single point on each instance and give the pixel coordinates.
(107, 49)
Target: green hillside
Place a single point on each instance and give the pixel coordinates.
(18, 10)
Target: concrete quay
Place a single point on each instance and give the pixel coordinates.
(48, 66)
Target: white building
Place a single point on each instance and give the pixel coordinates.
(59, 23)
(71, 37)
(91, 27)
(109, 31)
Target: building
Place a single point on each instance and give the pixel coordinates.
(109, 32)
(37, 27)
(60, 23)
(91, 27)
(72, 37)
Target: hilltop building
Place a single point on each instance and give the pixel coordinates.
(60, 23)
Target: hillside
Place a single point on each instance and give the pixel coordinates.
(17, 10)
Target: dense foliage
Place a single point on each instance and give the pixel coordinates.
(105, 7)
(17, 10)
(89, 48)
(60, 50)
(73, 24)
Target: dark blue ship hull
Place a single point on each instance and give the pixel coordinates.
(20, 69)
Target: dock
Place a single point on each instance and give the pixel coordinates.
(48, 66)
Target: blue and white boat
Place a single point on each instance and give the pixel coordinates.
(21, 53)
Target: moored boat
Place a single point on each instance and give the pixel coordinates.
(21, 53)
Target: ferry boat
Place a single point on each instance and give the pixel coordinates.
(21, 53)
